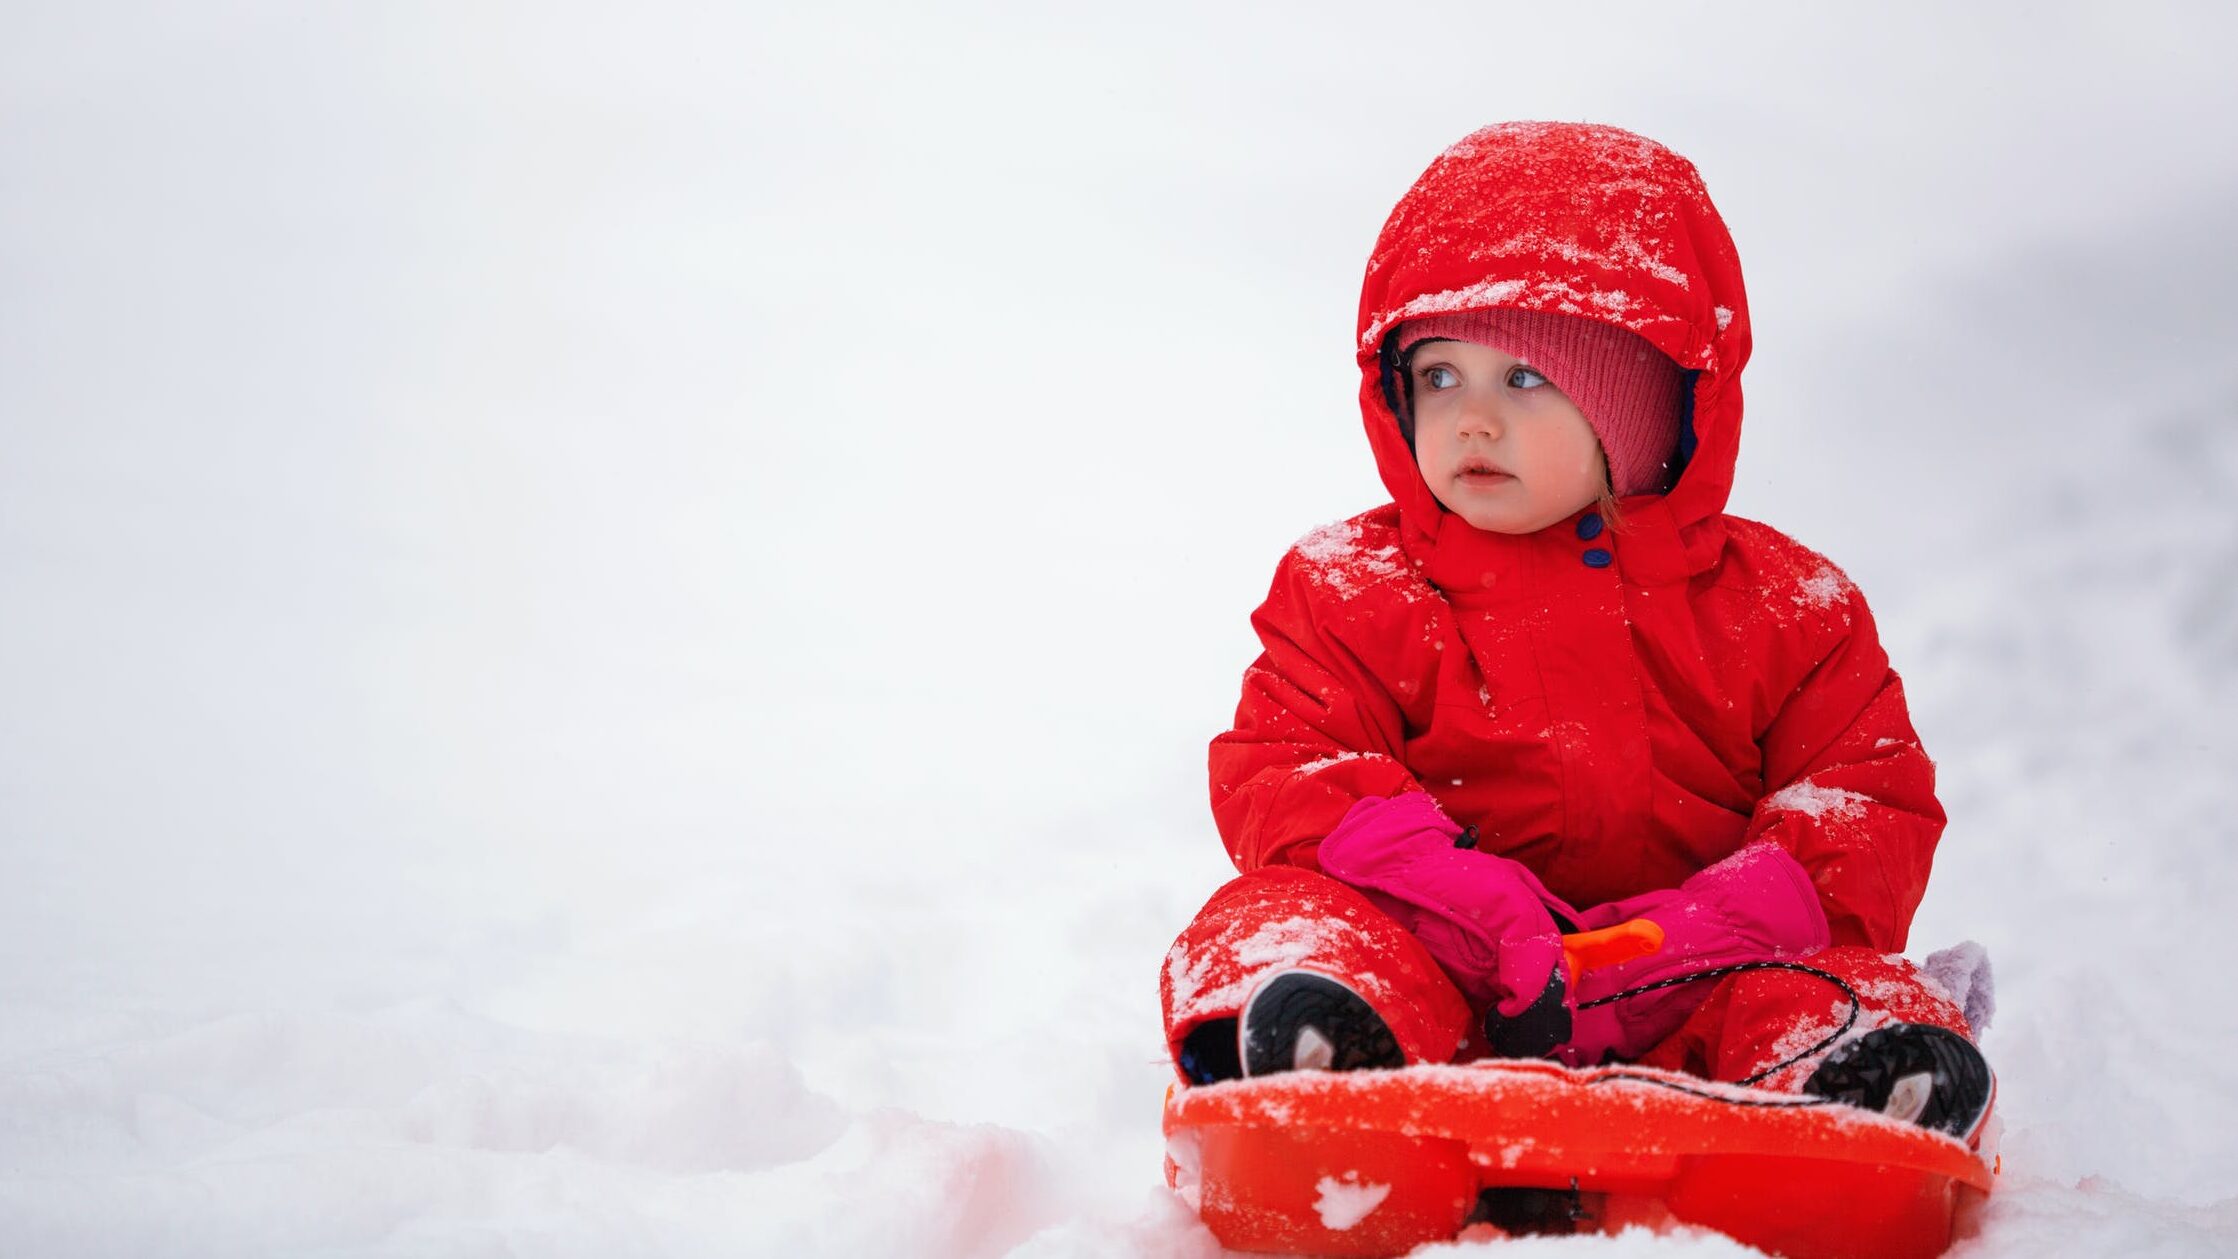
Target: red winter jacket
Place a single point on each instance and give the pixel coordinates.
(1616, 726)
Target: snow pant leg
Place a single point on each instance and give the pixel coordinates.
(1758, 1018)
(1280, 918)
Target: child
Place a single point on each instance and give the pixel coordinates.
(1552, 687)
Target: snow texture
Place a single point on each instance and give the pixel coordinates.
(1321, 763)
(1825, 588)
(1342, 1204)
(607, 629)
(1816, 802)
(1336, 557)
(1623, 170)
(1285, 944)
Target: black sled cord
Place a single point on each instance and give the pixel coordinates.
(1720, 972)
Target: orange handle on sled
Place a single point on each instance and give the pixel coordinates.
(1591, 950)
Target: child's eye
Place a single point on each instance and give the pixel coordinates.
(1524, 378)
(1439, 377)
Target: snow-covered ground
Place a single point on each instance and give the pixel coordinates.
(607, 623)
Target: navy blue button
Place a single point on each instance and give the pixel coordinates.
(1589, 526)
(1598, 558)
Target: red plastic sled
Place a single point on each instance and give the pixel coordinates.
(1378, 1162)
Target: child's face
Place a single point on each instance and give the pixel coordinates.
(1498, 444)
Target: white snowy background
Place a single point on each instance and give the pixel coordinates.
(609, 615)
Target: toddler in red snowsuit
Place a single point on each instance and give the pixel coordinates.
(1551, 688)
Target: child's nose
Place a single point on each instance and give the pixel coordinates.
(1483, 418)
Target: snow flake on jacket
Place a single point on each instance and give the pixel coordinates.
(1341, 559)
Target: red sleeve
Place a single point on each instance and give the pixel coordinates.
(1314, 733)
(1849, 790)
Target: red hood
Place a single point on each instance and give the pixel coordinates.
(1575, 219)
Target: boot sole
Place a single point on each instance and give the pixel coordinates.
(1288, 1005)
(1868, 1072)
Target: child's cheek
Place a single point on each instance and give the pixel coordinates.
(1426, 458)
(1437, 484)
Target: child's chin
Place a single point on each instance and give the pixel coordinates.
(1495, 516)
(1500, 521)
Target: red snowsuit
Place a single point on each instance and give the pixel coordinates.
(1614, 707)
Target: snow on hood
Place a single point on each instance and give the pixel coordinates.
(1575, 219)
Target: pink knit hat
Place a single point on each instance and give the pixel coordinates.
(1631, 393)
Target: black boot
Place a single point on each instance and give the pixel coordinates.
(1298, 1020)
(1209, 1053)
(1929, 1075)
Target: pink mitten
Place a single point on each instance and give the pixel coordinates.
(1754, 906)
(1485, 919)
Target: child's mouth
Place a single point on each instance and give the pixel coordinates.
(1482, 474)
